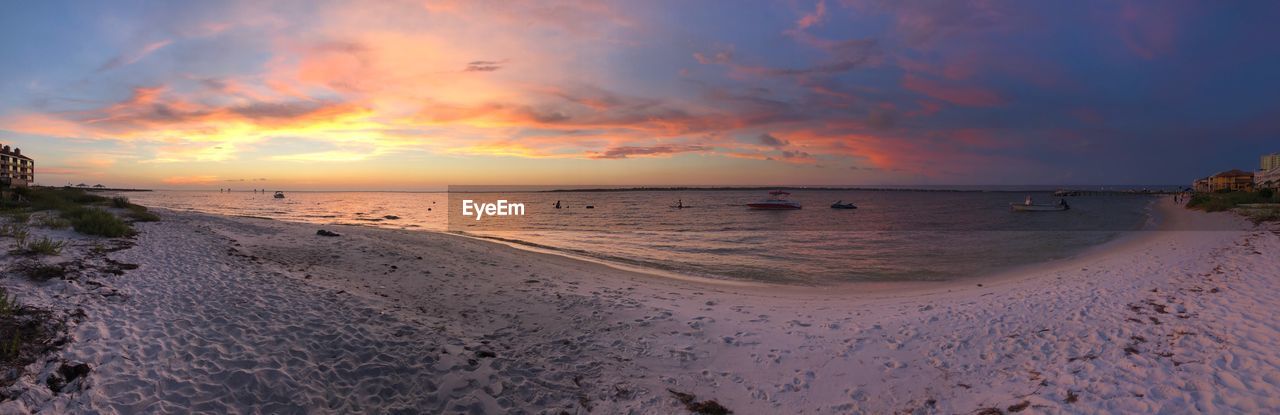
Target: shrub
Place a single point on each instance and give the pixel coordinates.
(1265, 193)
(139, 213)
(25, 333)
(143, 216)
(14, 230)
(42, 246)
(92, 221)
(53, 222)
(61, 200)
(120, 202)
(1221, 201)
(18, 216)
(1265, 215)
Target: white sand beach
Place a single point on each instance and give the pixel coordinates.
(244, 315)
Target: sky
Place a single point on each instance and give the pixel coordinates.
(421, 94)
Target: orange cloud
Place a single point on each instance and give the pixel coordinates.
(189, 180)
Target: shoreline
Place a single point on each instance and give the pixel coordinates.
(385, 320)
(1159, 205)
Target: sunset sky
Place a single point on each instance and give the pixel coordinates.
(413, 95)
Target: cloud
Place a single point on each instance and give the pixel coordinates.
(134, 56)
(627, 151)
(811, 19)
(771, 141)
(1151, 31)
(484, 66)
(844, 56)
(965, 95)
(190, 180)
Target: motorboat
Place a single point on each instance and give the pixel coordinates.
(841, 205)
(1037, 208)
(1028, 206)
(279, 195)
(777, 201)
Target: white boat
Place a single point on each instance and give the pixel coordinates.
(279, 195)
(1027, 206)
(1037, 208)
(777, 201)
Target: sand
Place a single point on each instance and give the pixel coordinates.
(244, 315)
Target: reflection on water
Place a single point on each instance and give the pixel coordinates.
(893, 235)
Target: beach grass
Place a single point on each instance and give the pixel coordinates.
(53, 222)
(120, 202)
(42, 246)
(97, 222)
(24, 333)
(78, 209)
(139, 213)
(1220, 202)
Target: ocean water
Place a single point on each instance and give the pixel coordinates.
(894, 235)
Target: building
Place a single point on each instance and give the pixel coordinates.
(1268, 175)
(1234, 180)
(1203, 185)
(1270, 162)
(1267, 179)
(16, 169)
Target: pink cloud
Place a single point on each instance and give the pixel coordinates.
(812, 18)
(969, 96)
(1150, 30)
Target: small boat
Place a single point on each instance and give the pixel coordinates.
(591, 206)
(279, 195)
(839, 205)
(1037, 208)
(1028, 206)
(777, 201)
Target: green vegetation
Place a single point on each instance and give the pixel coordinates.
(1223, 201)
(53, 222)
(18, 216)
(140, 214)
(94, 221)
(14, 231)
(42, 246)
(24, 333)
(1259, 215)
(120, 202)
(77, 209)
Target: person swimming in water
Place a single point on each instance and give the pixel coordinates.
(557, 204)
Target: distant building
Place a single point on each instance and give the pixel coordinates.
(1267, 179)
(16, 169)
(1204, 185)
(1231, 180)
(1270, 162)
(1268, 175)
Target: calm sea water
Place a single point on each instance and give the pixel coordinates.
(893, 235)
